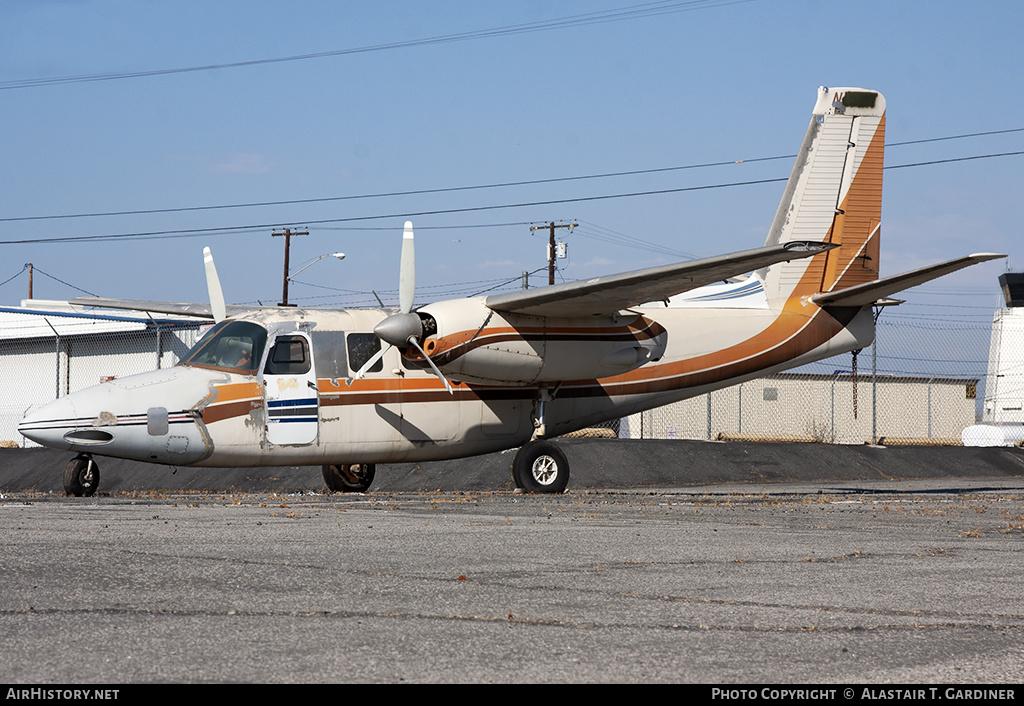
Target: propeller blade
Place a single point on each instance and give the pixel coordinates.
(438, 373)
(399, 330)
(407, 274)
(368, 364)
(217, 306)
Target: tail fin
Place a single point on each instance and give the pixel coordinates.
(834, 195)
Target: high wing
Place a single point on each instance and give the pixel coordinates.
(869, 292)
(612, 293)
(181, 308)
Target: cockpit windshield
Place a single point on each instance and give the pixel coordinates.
(234, 346)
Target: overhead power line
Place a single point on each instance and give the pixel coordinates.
(196, 232)
(648, 9)
(27, 266)
(607, 235)
(386, 194)
(478, 187)
(16, 275)
(67, 284)
(954, 159)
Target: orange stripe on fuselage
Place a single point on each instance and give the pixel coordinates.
(744, 359)
(236, 391)
(793, 332)
(798, 328)
(232, 400)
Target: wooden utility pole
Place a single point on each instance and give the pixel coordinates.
(30, 273)
(288, 233)
(551, 244)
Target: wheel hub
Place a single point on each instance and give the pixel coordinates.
(545, 470)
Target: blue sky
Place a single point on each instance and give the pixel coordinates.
(693, 83)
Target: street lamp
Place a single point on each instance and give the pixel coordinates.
(339, 255)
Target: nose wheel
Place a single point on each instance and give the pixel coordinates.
(349, 477)
(81, 476)
(540, 467)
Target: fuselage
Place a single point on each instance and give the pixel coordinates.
(293, 402)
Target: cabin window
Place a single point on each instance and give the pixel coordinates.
(289, 356)
(771, 394)
(362, 347)
(235, 346)
(329, 354)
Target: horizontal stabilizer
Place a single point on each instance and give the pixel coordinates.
(612, 293)
(870, 292)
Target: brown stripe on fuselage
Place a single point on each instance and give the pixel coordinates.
(217, 413)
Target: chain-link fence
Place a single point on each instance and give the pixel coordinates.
(840, 408)
(922, 382)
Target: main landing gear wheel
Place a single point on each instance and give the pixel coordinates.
(81, 476)
(349, 478)
(540, 467)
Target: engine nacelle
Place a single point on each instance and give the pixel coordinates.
(477, 345)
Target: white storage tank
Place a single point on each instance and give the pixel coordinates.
(995, 434)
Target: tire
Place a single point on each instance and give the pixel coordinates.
(349, 478)
(540, 467)
(81, 476)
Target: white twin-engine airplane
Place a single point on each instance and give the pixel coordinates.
(293, 386)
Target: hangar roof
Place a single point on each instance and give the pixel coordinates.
(38, 318)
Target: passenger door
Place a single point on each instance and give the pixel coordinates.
(290, 390)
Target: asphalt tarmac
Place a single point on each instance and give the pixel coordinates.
(594, 463)
(816, 582)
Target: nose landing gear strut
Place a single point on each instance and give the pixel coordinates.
(81, 476)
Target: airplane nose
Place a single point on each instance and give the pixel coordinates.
(145, 417)
(49, 424)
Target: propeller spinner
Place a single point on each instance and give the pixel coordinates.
(404, 328)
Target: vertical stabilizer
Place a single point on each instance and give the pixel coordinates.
(834, 195)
